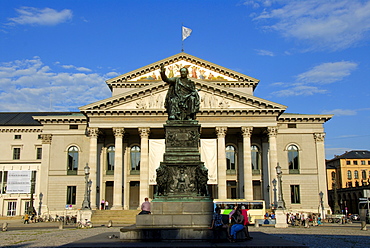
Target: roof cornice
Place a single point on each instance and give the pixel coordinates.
(286, 117)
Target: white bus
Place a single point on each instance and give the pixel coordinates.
(256, 208)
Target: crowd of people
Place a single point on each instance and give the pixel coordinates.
(237, 222)
(304, 219)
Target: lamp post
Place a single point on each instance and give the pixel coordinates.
(321, 194)
(31, 208)
(336, 206)
(280, 203)
(274, 189)
(86, 202)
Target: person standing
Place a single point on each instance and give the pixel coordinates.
(106, 205)
(26, 219)
(102, 204)
(145, 207)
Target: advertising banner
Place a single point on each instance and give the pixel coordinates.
(19, 182)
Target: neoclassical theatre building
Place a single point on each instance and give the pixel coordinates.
(121, 139)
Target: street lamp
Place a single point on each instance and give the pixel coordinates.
(274, 189)
(321, 194)
(31, 209)
(86, 202)
(280, 203)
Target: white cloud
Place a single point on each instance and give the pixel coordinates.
(35, 16)
(112, 74)
(82, 69)
(299, 90)
(264, 52)
(327, 72)
(306, 83)
(29, 85)
(340, 112)
(332, 25)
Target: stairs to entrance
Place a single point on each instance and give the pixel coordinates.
(126, 217)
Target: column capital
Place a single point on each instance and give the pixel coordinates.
(319, 137)
(46, 138)
(247, 131)
(272, 131)
(118, 131)
(144, 132)
(221, 132)
(93, 132)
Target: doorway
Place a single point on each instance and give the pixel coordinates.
(109, 193)
(134, 194)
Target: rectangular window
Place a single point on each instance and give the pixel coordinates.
(73, 126)
(12, 208)
(3, 181)
(71, 195)
(348, 162)
(295, 195)
(292, 125)
(17, 136)
(363, 162)
(368, 162)
(38, 153)
(16, 153)
(355, 162)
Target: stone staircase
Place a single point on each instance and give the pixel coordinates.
(122, 217)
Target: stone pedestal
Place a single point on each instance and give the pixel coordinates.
(84, 216)
(181, 209)
(280, 219)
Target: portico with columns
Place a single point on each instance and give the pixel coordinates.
(243, 137)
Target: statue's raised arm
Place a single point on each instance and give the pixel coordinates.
(182, 99)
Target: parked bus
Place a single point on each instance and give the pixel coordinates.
(256, 208)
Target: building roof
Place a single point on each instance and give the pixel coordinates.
(357, 154)
(25, 118)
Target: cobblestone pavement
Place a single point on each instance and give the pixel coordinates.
(328, 235)
(49, 235)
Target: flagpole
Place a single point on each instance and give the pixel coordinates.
(182, 39)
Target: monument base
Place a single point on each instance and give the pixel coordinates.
(172, 220)
(280, 219)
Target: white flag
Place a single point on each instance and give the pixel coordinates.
(186, 32)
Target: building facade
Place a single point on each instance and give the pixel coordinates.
(348, 177)
(121, 139)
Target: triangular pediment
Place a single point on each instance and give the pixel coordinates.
(213, 98)
(198, 69)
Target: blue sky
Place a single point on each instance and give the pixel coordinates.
(312, 56)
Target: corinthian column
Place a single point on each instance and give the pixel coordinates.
(43, 175)
(144, 163)
(272, 133)
(247, 159)
(93, 134)
(321, 167)
(221, 162)
(117, 190)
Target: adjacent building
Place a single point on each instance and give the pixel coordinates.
(121, 139)
(348, 177)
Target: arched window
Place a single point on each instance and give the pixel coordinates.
(110, 159)
(364, 174)
(255, 153)
(230, 157)
(293, 159)
(72, 163)
(349, 174)
(355, 174)
(135, 158)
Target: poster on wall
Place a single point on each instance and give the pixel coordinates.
(19, 182)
